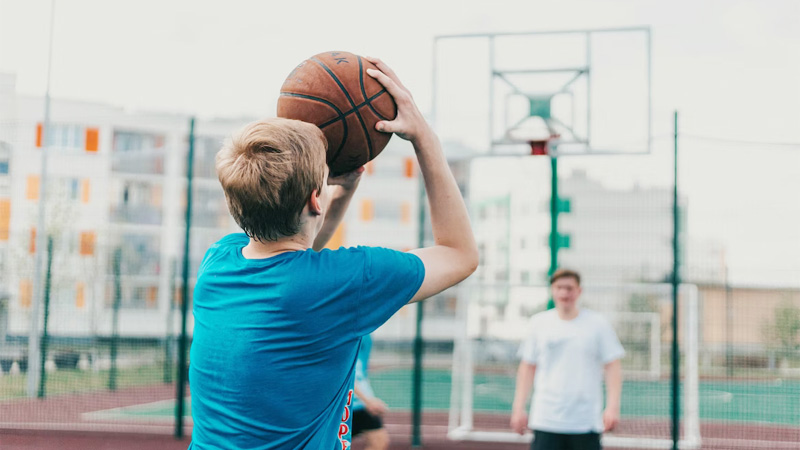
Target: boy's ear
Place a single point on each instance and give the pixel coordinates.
(315, 203)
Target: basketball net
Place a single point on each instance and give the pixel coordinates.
(541, 147)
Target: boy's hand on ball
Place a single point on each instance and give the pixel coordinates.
(409, 123)
(347, 180)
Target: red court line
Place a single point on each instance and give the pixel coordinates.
(62, 417)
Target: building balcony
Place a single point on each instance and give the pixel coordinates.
(144, 162)
(145, 215)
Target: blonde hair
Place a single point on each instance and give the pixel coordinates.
(268, 172)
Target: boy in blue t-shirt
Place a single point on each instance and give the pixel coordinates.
(278, 320)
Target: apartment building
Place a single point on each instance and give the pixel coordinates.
(116, 185)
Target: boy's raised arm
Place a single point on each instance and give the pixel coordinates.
(343, 186)
(455, 253)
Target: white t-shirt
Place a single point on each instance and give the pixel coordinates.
(569, 356)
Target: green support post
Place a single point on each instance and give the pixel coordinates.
(45, 336)
(183, 341)
(554, 241)
(676, 386)
(112, 373)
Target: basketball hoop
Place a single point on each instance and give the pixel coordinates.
(541, 147)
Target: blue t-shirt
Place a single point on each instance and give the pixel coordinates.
(362, 368)
(275, 341)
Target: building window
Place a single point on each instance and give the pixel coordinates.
(62, 136)
(85, 190)
(140, 252)
(405, 209)
(137, 153)
(135, 202)
(80, 295)
(73, 188)
(32, 243)
(5, 218)
(32, 188)
(92, 139)
(408, 166)
(367, 210)
(128, 141)
(206, 148)
(88, 239)
(133, 295)
(337, 240)
(208, 208)
(25, 293)
(3, 167)
(525, 277)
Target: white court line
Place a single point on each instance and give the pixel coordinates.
(747, 444)
(123, 413)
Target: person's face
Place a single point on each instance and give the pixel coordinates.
(566, 292)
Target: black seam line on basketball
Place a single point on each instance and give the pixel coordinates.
(335, 108)
(364, 92)
(352, 103)
(332, 121)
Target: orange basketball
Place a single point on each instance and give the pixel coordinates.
(333, 91)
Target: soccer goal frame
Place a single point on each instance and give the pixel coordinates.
(461, 421)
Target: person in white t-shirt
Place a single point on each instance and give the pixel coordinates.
(567, 353)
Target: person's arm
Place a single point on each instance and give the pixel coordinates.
(519, 412)
(455, 254)
(613, 376)
(343, 187)
(373, 405)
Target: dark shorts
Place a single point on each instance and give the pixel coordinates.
(543, 440)
(364, 421)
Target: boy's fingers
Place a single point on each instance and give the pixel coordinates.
(385, 69)
(387, 126)
(391, 86)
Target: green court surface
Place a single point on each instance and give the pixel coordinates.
(760, 401)
(765, 401)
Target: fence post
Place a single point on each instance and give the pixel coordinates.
(45, 337)
(676, 369)
(182, 343)
(112, 373)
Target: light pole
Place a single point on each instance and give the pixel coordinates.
(41, 232)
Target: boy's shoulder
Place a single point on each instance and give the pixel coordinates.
(218, 249)
(357, 251)
(232, 239)
(541, 319)
(376, 260)
(544, 316)
(593, 316)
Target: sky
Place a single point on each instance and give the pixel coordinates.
(730, 67)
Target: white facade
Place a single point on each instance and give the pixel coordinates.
(128, 192)
(116, 179)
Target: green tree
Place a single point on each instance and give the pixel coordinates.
(783, 332)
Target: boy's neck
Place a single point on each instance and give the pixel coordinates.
(567, 313)
(261, 250)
